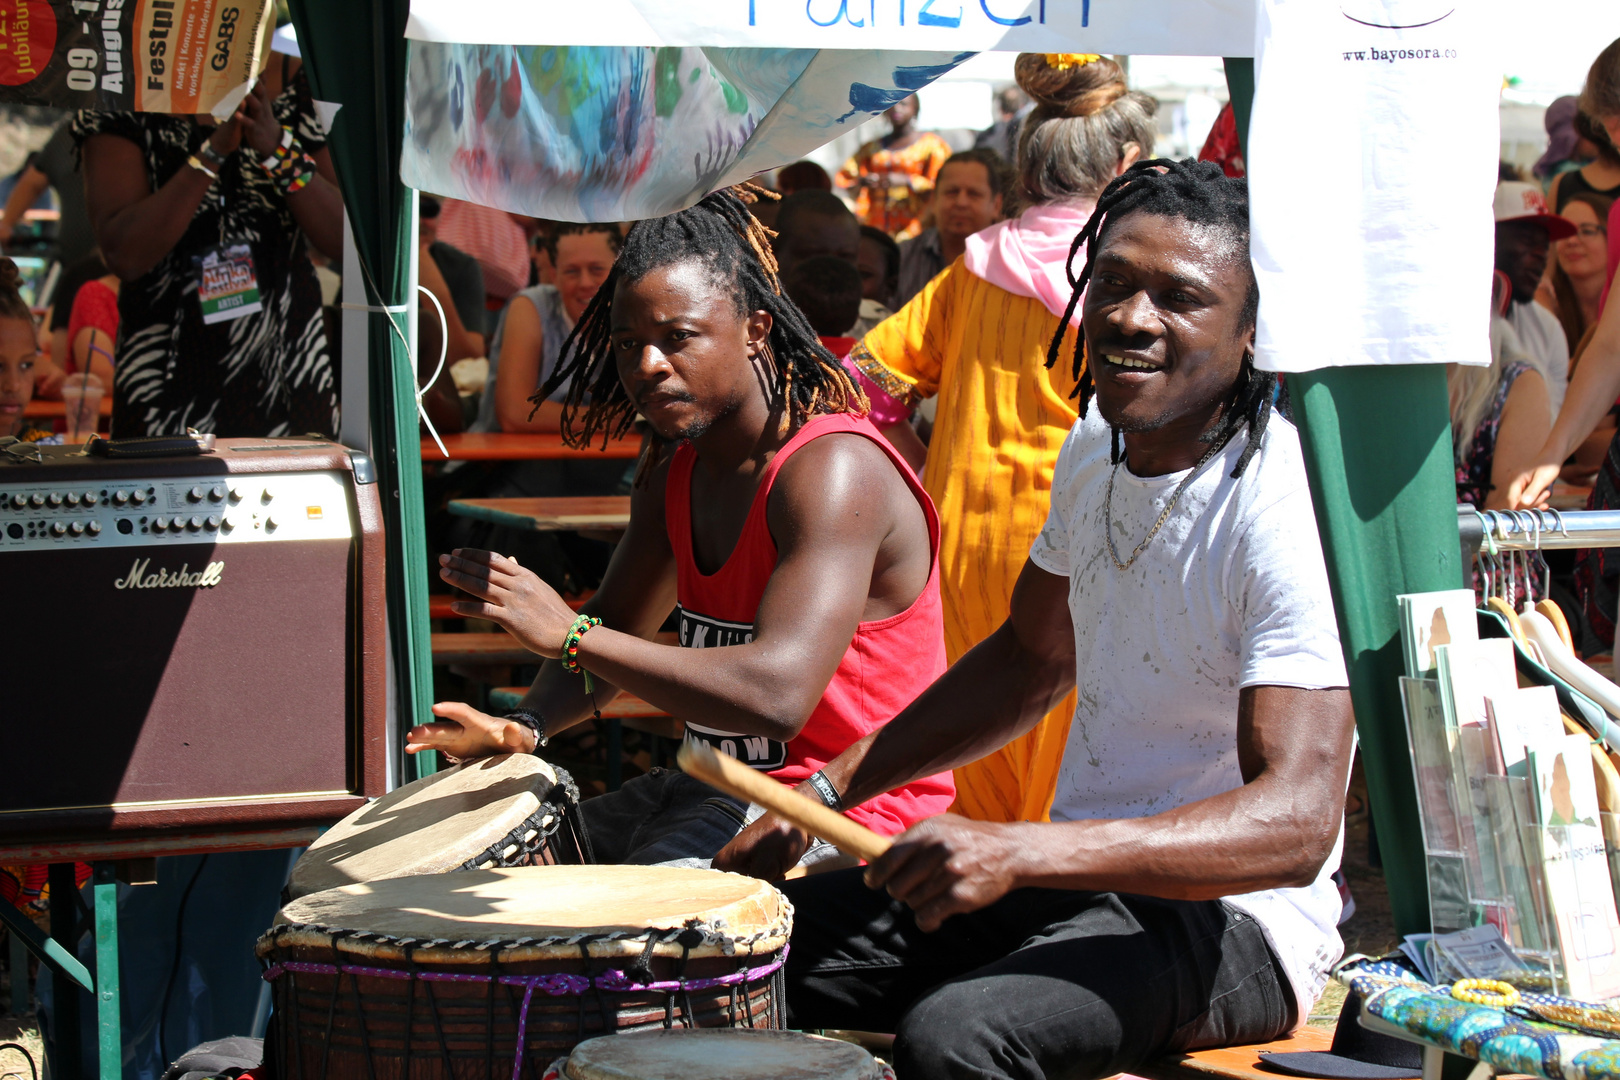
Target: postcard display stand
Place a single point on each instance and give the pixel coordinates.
(1507, 783)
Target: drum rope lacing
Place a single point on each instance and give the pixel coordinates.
(560, 984)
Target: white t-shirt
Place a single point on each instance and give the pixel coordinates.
(1545, 346)
(1232, 592)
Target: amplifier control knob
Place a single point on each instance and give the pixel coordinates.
(36, 500)
(73, 498)
(267, 496)
(54, 498)
(238, 493)
(229, 523)
(270, 523)
(217, 493)
(159, 524)
(94, 528)
(138, 498)
(196, 494)
(195, 524)
(76, 528)
(88, 499)
(58, 528)
(213, 523)
(19, 501)
(120, 497)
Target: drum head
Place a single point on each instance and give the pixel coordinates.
(560, 905)
(719, 1054)
(430, 826)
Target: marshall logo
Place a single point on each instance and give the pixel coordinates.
(138, 578)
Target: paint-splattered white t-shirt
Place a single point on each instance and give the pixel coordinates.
(1231, 592)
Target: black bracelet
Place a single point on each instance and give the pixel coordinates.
(533, 721)
(825, 791)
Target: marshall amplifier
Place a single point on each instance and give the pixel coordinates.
(192, 643)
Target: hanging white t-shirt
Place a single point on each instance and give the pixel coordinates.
(1545, 346)
(1232, 592)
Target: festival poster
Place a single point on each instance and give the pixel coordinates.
(171, 56)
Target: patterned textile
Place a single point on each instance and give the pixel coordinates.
(1474, 481)
(267, 374)
(27, 888)
(491, 237)
(1597, 571)
(1510, 1044)
(1002, 419)
(898, 209)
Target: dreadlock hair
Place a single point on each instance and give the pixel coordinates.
(1200, 193)
(722, 233)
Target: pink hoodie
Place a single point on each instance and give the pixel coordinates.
(1026, 255)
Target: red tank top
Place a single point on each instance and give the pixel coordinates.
(889, 661)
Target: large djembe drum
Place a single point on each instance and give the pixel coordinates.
(510, 810)
(718, 1055)
(486, 974)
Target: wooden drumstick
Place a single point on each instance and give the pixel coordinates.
(734, 778)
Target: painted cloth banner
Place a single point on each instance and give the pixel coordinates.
(1148, 27)
(167, 56)
(618, 134)
(1375, 246)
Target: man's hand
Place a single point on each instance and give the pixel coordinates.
(511, 595)
(949, 865)
(1528, 491)
(467, 733)
(766, 849)
(260, 128)
(226, 137)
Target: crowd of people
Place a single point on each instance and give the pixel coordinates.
(960, 490)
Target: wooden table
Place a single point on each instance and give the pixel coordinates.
(45, 408)
(1562, 496)
(504, 446)
(549, 515)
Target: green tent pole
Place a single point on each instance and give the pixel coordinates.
(1377, 444)
(355, 54)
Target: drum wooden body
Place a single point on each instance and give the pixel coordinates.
(718, 1055)
(489, 974)
(510, 810)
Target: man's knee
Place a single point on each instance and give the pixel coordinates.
(972, 1028)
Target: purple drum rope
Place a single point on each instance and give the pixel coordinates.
(559, 985)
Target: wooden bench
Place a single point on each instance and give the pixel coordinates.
(480, 649)
(439, 604)
(1235, 1062)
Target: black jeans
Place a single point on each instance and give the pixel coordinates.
(1043, 983)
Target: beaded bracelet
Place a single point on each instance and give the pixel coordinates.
(1492, 993)
(570, 649)
(279, 154)
(299, 182)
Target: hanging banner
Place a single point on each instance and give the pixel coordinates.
(1149, 27)
(1375, 245)
(169, 56)
(618, 134)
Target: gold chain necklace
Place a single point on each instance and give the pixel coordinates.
(1108, 506)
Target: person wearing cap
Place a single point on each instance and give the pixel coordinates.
(1525, 232)
(1564, 143)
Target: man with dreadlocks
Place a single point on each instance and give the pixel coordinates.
(797, 548)
(1180, 898)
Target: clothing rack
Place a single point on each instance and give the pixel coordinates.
(1536, 530)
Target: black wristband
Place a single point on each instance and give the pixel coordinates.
(825, 791)
(533, 721)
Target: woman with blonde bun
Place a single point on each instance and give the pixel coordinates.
(977, 337)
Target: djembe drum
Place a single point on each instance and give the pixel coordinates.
(718, 1055)
(510, 810)
(467, 976)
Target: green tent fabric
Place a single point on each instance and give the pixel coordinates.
(355, 54)
(1377, 443)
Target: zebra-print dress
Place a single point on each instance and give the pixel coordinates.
(265, 374)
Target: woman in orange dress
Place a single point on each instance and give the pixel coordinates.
(894, 176)
(977, 337)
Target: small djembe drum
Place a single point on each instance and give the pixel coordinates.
(511, 810)
(488, 973)
(718, 1055)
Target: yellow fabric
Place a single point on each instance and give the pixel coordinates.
(897, 210)
(1001, 421)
